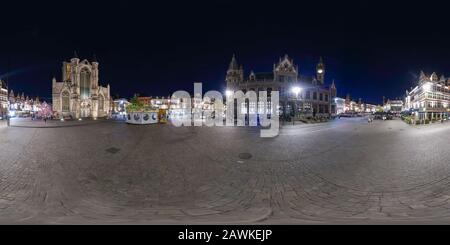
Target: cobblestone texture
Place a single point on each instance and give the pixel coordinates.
(346, 171)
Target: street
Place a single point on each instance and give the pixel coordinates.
(345, 171)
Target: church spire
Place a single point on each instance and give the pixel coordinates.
(233, 64)
(75, 55)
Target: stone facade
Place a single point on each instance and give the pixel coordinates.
(79, 95)
(3, 100)
(430, 99)
(315, 98)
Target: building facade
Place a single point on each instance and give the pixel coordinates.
(21, 105)
(3, 100)
(311, 96)
(394, 106)
(78, 94)
(430, 98)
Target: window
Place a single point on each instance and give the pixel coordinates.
(101, 103)
(85, 83)
(326, 97)
(65, 101)
(315, 96)
(308, 95)
(321, 97)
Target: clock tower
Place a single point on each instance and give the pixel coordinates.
(320, 71)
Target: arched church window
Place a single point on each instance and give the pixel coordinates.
(65, 101)
(101, 103)
(85, 83)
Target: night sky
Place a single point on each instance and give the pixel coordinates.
(370, 48)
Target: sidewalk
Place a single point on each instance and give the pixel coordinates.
(28, 123)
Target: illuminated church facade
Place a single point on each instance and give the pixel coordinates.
(79, 94)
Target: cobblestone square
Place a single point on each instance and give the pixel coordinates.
(106, 172)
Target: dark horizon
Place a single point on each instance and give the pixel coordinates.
(371, 49)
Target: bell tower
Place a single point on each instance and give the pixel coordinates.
(235, 74)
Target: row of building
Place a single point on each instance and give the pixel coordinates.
(79, 94)
(300, 95)
(20, 105)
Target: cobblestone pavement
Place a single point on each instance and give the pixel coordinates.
(346, 171)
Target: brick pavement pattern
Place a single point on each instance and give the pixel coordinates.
(346, 171)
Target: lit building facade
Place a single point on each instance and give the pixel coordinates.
(370, 108)
(430, 98)
(79, 94)
(160, 102)
(3, 100)
(24, 106)
(298, 94)
(340, 105)
(394, 106)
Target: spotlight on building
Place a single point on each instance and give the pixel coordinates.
(229, 93)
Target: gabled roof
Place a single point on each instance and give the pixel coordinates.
(286, 64)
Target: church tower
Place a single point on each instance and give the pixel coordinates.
(333, 91)
(235, 74)
(320, 71)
